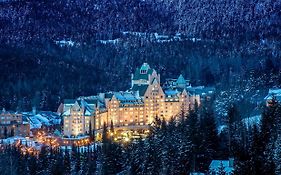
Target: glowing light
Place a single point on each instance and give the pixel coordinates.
(126, 139)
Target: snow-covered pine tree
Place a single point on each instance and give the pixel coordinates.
(277, 154)
(221, 170)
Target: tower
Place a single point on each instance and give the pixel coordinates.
(144, 76)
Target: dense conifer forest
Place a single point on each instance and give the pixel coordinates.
(171, 148)
(62, 49)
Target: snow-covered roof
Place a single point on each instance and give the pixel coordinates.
(171, 92)
(201, 90)
(46, 118)
(273, 93)
(216, 164)
(127, 98)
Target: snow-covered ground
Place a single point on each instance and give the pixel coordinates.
(82, 148)
(251, 121)
(63, 43)
(153, 37)
(24, 141)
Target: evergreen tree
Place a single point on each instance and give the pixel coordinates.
(77, 159)
(136, 157)
(58, 165)
(66, 162)
(232, 117)
(221, 170)
(277, 155)
(91, 163)
(111, 155)
(209, 141)
(193, 134)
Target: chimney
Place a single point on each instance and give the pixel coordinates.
(231, 162)
(34, 110)
(132, 81)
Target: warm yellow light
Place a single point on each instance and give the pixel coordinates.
(127, 139)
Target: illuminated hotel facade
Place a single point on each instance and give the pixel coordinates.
(134, 109)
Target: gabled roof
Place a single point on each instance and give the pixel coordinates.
(181, 80)
(276, 93)
(138, 75)
(142, 89)
(216, 164)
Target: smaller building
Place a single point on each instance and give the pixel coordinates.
(273, 93)
(11, 124)
(216, 166)
(197, 173)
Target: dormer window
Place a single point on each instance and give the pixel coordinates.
(143, 71)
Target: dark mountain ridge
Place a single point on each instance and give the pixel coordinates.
(217, 44)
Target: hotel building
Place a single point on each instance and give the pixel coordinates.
(134, 109)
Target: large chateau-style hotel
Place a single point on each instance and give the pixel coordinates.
(132, 111)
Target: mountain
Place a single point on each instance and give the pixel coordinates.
(84, 21)
(52, 50)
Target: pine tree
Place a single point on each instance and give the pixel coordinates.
(221, 170)
(91, 163)
(136, 157)
(256, 153)
(111, 155)
(151, 162)
(77, 160)
(58, 165)
(232, 117)
(193, 134)
(277, 155)
(66, 162)
(209, 141)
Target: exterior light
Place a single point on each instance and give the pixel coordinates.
(127, 139)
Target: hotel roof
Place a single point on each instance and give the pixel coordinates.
(138, 75)
(141, 88)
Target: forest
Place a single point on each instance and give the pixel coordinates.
(237, 43)
(233, 46)
(174, 147)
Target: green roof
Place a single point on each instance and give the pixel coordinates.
(181, 80)
(138, 75)
(142, 89)
(108, 95)
(69, 101)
